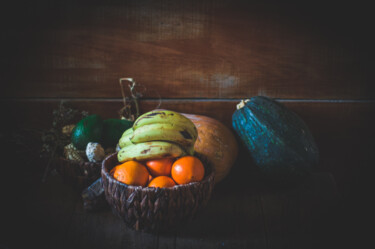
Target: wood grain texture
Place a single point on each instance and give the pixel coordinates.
(290, 225)
(230, 220)
(187, 49)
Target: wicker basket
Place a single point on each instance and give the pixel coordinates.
(80, 175)
(153, 209)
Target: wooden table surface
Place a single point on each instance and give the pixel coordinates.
(242, 213)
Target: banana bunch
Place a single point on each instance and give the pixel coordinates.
(158, 134)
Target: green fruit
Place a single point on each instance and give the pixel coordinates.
(113, 130)
(150, 150)
(278, 140)
(88, 129)
(164, 132)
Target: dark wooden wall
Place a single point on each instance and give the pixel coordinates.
(186, 49)
(199, 57)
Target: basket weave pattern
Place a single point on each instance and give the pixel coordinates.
(78, 174)
(151, 209)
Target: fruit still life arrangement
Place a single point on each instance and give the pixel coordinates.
(164, 149)
(156, 179)
(161, 168)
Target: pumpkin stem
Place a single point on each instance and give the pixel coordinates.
(242, 103)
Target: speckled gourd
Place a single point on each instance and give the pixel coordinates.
(278, 140)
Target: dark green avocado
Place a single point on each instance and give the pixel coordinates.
(113, 129)
(88, 129)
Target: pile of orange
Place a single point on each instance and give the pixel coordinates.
(160, 173)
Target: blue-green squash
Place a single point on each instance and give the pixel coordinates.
(279, 142)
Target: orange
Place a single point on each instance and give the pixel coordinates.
(160, 167)
(131, 173)
(162, 182)
(187, 169)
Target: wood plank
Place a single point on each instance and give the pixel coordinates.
(232, 219)
(104, 230)
(293, 216)
(179, 49)
(226, 221)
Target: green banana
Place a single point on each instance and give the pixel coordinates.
(125, 139)
(150, 150)
(163, 132)
(166, 117)
(127, 132)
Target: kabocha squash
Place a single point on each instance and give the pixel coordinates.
(279, 142)
(216, 142)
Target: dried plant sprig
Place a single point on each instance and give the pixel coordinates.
(127, 111)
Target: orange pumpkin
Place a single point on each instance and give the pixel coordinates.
(216, 142)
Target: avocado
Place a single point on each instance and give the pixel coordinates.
(113, 129)
(88, 129)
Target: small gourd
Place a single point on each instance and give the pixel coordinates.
(95, 152)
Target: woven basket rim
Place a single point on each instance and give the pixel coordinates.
(207, 177)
